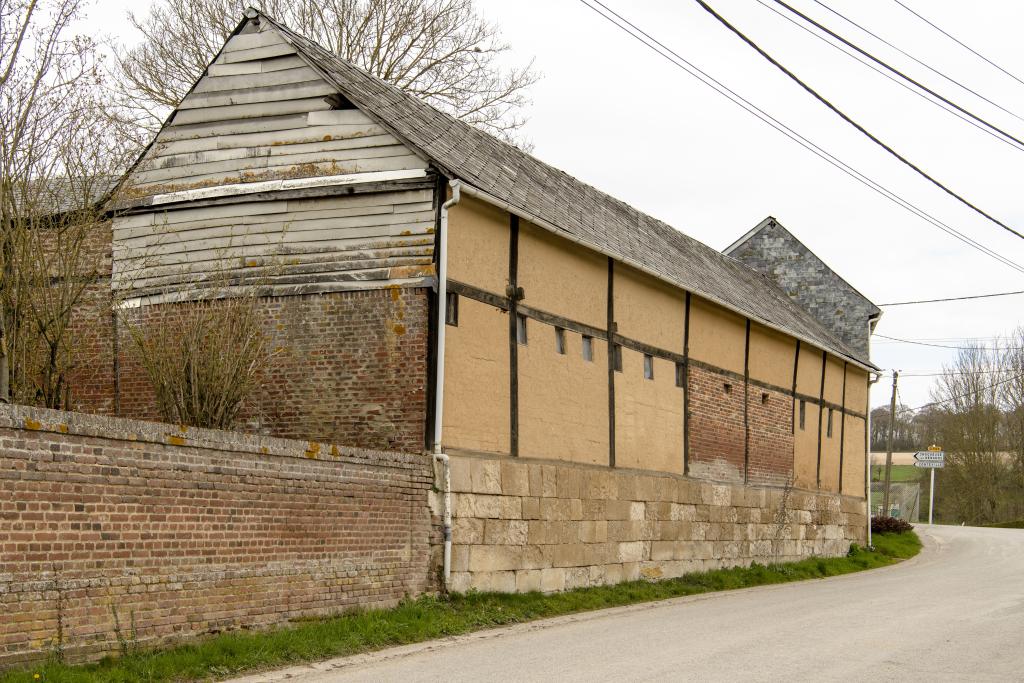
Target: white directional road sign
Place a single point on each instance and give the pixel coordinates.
(930, 464)
(930, 456)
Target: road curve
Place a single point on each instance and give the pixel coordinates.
(956, 612)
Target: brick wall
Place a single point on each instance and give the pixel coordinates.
(522, 524)
(92, 334)
(193, 531)
(770, 439)
(716, 432)
(351, 368)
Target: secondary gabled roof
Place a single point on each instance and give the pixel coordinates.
(580, 211)
(770, 223)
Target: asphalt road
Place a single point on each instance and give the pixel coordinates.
(956, 612)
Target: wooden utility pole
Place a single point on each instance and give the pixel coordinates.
(888, 452)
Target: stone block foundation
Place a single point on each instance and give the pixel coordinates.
(522, 525)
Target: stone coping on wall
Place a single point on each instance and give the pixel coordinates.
(123, 429)
(504, 457)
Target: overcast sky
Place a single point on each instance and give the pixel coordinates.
(618, 116)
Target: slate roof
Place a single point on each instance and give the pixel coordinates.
(580, 210)
(54, 196)
(772, 223)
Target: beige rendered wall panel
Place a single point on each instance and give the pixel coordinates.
(808, 376)
(834, 380)
(717, 336)
(563, 399)
(561, 277)
(856, 389)
(830, 451)
(805, 459)
(476, 380)
(648, 310)
(478, 236)
(648, 416)
(771, 356)
(853, 457)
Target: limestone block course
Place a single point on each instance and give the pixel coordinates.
(527, 524)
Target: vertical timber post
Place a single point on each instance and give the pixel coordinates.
(821, 415)
(513, 333)
(842, 431)
(611, 362)
(746, 406)
(686, 387)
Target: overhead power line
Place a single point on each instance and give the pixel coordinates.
(681, 63)
(944, 374)
(894, 79)
(814, 93)
(959, 42)
(956, 396)
(951, 339)
(923, 343)
(918, 61)
(952, 298)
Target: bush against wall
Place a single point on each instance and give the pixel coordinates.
(204, 359)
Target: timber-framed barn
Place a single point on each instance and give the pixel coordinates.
(431, 283)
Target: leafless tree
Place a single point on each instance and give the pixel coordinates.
(441, 50)
(56, 158)
(973, 424)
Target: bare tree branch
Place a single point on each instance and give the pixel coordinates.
(440, 50)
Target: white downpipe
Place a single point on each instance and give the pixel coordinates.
(867, 427)
(442, 312)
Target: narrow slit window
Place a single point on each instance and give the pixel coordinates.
(727, 388)
(764, 398)
(648, 366)
(680, 375)
(560, 340)
(803, 414)
(830, 423)
(521, 329)
(617, 358)
(451, 309)
(588, 348)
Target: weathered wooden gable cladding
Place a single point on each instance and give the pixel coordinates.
(287, 245)
(210, 200)
(260, 113)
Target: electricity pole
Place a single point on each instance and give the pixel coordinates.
(888, 452)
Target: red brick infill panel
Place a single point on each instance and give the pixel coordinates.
(770, 438)
(715, 424)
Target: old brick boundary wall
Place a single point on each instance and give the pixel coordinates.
(188, 531)
(522, 524)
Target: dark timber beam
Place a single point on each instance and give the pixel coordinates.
(513, 337)
(746, 405)
(686, 387)
(842, 432)
(611, 363)
(821, 414)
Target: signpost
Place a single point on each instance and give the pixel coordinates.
(932, 459)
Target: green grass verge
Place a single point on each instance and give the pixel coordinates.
(900, 473)
(1019, 524)
(427, 618)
